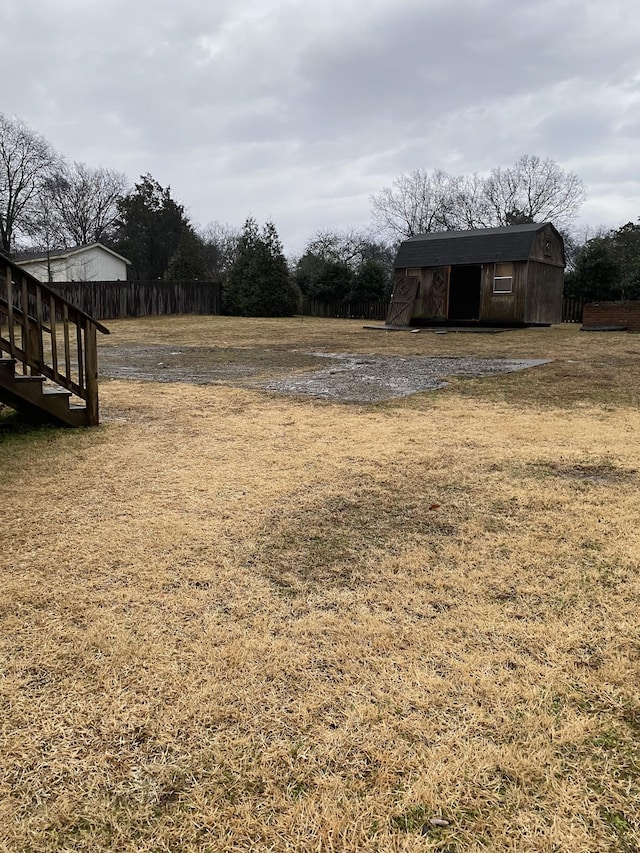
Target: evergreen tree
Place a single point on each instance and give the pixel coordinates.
(149, 228)
(626, 242)
(345, 265)
(187, 263)
(372, 281)
(334, 281)
(307, 272)
(258, 283)
(607, 267)
(243, 271)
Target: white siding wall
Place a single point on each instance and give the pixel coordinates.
(37, 269)
(94, 264)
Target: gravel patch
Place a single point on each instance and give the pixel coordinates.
(369, 379)
(346, 377)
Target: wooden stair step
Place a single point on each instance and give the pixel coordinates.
(31, 395)
(21, 378)
(51, 391)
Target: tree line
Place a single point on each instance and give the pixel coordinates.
(607, 266)
(48, 203)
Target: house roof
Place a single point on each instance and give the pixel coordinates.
(478, 246)
(42, 255)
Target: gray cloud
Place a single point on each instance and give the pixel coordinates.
(300, 111)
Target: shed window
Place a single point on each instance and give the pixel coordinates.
(503, 278)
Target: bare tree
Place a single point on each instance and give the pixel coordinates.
(472, 209)
(84, 202)
(416, 204)
(343, 247)
(219, 247)
(533, 190)
(42, 228)
(27, 160)
(352, 247)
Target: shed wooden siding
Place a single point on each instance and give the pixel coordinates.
(554, 254)
(502, 307)
(534, 253)
(432, 303)
(544, 293)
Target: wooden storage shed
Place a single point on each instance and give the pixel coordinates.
(489, 276)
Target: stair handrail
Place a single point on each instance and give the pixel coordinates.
(34, 312)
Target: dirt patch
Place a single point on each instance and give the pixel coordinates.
(199, 365)
(604, 472)
(346, 377)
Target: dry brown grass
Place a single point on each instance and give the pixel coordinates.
(238, 621)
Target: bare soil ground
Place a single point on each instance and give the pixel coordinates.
(237, 619)
(350, 378)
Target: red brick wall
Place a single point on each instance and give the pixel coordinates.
(612, 314)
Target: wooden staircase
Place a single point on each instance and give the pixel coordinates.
(48, 352)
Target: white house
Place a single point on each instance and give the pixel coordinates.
(93, 262)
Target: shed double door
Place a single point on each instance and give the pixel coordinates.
(437, 297)
(403, 299)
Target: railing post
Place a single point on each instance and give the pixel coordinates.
(10, 320)
(91, 372)
(39, 330)
(27, 337)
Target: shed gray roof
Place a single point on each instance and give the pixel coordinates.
(479, 246)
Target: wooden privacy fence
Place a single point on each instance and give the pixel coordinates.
(361, 309)
(110, 300)
(376, 309)
(572, 310)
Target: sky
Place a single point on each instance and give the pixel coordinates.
(299, 110)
